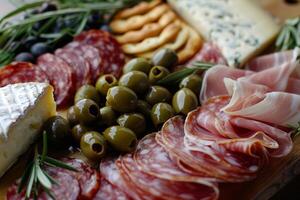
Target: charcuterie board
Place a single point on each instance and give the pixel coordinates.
(270, 180)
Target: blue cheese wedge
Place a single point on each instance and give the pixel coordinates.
(240, 28)
(24, 107)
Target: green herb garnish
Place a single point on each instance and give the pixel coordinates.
(176, 77)
(289, 37)
(35, 178)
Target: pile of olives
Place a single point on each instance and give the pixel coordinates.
(114, 114)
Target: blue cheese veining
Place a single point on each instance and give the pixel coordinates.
(240, 28)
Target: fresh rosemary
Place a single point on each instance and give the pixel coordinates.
(289, 37)
(35, 178)
(177, 76)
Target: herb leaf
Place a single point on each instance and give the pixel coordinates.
(289, 37)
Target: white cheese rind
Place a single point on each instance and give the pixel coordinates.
(240, 28)
(23, 110)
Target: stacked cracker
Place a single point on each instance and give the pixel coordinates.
(147, 27)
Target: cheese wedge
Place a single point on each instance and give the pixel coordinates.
(240, 28)
(24, 107)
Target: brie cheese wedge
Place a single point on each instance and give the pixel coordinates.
(240, 28)
(24, 107)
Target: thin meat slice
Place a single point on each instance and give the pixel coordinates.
(212, 160)
(79, 66)
(21, 72)
(91, 55)
(164, 189)
(110, 50)
(59, 74)
(113, 175)
(109, 192)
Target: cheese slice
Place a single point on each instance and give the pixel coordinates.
(240, 28)
(24, 107)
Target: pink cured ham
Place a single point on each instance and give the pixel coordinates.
(79, 66)
(91, 55)
(211, 160)
(153, 159)
(164, 189)
(59, 74)
(109, 192)
(113, 175)
(110, 50)
(209, 53)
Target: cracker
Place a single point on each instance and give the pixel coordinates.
(148, 44)
(192, 46)
(139, 9)
(179, 42)
(138, 21)
(149, 30)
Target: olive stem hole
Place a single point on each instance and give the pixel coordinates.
(97, 148)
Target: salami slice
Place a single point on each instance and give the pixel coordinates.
(109, 192)
(109, 49)
(164, 189)
(59, 74)
(21, 72)
(79, 66)
(152, 158)
(111, 173)
(91, 55)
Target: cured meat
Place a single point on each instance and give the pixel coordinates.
(111, 173)
(91, 55)
(153, 159)
(21, 72)
(79, 66)
(59, 74)
(109, 192)
(212, 160)
(110, 50)
(209, 53)
(163, 189)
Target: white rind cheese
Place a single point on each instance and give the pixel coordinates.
(24, 107)
(240, 28)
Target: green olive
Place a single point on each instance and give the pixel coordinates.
(86, 111)
(158, 94)
(121, 138)
(135, 80)
(165, 57)
(157, 73)
(193, 82)
(93, 145)
(137, 64)
(134, 121)
(87, 92)
(71, 116)
(78, 131)
(105, 82)
(160, 113)
(184, 101)
(58, 131)
(108, 116)
(121, 99)
(144, 108)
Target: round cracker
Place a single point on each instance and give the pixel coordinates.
(148, 44)
(149, 30)
(139, 9)
(138, 21)
(179, 42)
(192, 46)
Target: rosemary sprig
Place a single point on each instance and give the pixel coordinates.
(176, 77)
(295, 130)
(35, 178)
(289, 37)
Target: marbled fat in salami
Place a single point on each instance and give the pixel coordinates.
(59, 74)
(110, 50)
(21, 72)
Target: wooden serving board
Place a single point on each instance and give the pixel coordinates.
(274, 177)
